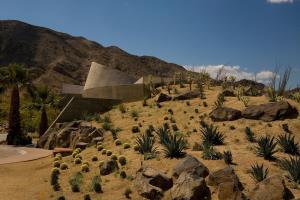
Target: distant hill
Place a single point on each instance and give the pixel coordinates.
(56, 57)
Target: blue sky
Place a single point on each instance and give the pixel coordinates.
(249, 36)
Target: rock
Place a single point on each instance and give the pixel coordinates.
(97, 139)
(225, 114)
(151, 183)
(190, 164)
(69, 134)
(189, 186)
(163, 97)
(63, 151)
(270, 111)
(228, 191)
(187, 95)
(81, 145)
(224, 175)
(228, 93)
(108, 167)
(272, 188)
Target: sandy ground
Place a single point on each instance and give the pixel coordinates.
(30, 180)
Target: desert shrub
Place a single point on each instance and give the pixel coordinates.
(56, 164)
(122, 160)
(239, 93)
(126, 146)
(114, 157)
(75, 182)
(220, 101)
(227, 156)
(146, 144)
(173, 146)
(127, 193)
(96, 184)
(100, 147)
(106, 126)
(94, 158)
(114, 132)
(292, 166)
(87, 197)
(296, 97)
(287, 144)
(123, 174)
(103, 151)
(249, 134)
(209, 153)
(54, 179)
(77, 161)
(64, 166)
(258, 172)
(266, 147)
(122, 108)
(245, 100)
(108, 152)
(134, 114)
(118, 142)
(211, 135)
(85, 168)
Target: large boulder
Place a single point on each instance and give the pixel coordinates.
(272, 188)
(269, 111)
(189, 186)
(108, 167)
(228, 191)
(187, 95)
(163, 97)
(225, 114)
(69, 134)
(190, 164)
(152, 183)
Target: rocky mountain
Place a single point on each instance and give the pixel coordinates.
(56, 57)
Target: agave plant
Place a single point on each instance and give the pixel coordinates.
(258, 172)
(145, 144)
(292, 166)
(266, 147)
(288, 145)
(209, 153)
(174, 146)
(163, 134)
(249, 134)
(211, 135)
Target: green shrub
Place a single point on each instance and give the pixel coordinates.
(292, 166)
(75, 182)
(258, 173)
(64, 166)
(122, 160)
(287, 144)
(211, 135)
(227, 155)
(96, 184)
(249, 134)
(266, 147)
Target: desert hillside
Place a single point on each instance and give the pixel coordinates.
(56, 57)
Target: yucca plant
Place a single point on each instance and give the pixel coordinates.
(292, 166)
(163, 134)
(209, 153)
(227, 156)
(249, 134)
(287, 144)
(211, 135)
(258, 172)
(145, 144)
(174, 146)
(266, 147)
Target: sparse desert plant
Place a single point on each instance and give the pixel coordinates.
(296, 97)
(64, 166)
(127, 193)
(134, 114)
(126, 146)
(201, 89)
(227, 156)
(245, 100)
(103, 151)
(288, 145)
(292, 166)
(220, 101)
(123, 174)
(266, 147)
(146, 144)
(122, 108)
(77, 161)
(239, 92)
(249, 134)
(75, 182)
(56, 164)
(258, 172)
(122, 160)
(211, 135)
(118, 142)
(209, 153)
(106, 119)
(114, 132)
(85, 168)
(108, 152)
(106, 126)
(285, 127)
(99, 147)
(54, 179)
(96, 184)
(94, 158)
(174, 146)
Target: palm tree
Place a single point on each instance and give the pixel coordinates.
(13, 76)
(42, 97)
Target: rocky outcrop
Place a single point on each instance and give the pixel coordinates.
(190, 164)
(108, 167)
(187, 95)
(151, 183)
(225, 114)
(228, 184)
(162, 97)
(269, 111)
(272, 188)
(69, 134)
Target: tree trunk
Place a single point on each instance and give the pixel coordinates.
(43, 122)
(14, 122)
